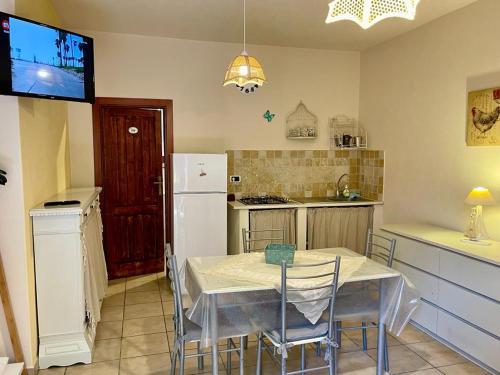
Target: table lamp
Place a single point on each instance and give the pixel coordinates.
(478, 197)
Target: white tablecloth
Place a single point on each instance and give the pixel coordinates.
(238, 295)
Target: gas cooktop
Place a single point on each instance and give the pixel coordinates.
(264, 199)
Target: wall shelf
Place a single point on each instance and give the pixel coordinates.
(301, 138)
(301, 123)
(341, 126)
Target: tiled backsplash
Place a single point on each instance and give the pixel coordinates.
(294, 172)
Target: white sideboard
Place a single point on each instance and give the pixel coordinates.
(70, 274)
(459, 285)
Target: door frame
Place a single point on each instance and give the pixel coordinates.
(168, 132)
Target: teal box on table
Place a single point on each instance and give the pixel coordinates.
(277, 252)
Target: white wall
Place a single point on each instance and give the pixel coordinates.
(207, 116)
(413, 102)
(12, 223)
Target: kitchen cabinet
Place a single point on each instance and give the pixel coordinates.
(459, 288)
(329, 227)
(238, 215)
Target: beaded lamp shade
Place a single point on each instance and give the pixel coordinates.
(244, 70)
(366, 13)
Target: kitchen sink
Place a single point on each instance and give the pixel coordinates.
(343, 199)
(331, 199)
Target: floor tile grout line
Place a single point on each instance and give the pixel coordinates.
(412, 350)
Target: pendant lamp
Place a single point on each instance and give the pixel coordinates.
(366, 13)
(245, 71)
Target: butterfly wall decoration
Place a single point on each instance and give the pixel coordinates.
(269, 116)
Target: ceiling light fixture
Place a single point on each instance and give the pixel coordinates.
(366, 13)
(245, 71)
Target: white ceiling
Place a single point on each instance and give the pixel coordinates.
(293, 23)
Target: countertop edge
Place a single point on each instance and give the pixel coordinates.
(235, 205)
(405, 230)
(85, 195)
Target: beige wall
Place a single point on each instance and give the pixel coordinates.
(413, 102)
(207, 116)
(44, 151)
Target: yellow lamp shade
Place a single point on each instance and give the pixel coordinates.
(244, 70)
(480, 196)
(366, 13)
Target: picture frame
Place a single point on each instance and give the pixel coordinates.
(483, 117)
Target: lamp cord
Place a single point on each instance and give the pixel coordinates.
(244, 25)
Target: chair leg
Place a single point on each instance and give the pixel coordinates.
(242, 354)
(283, 364)
(200, 359)
(318, 349)
(228, 357)
(333, 369)
(181, 358)
(386, 354)
(338, 328)
(173, 360)
(303, 357)
(245, 342)
(259, 354)
(364, 336)
(331, 361)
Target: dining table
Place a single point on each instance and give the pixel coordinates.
(238, 295)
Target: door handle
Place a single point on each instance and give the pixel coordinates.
(159, 182)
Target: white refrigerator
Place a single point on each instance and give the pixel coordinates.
(199, 205)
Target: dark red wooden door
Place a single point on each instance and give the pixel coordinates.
(132, 191)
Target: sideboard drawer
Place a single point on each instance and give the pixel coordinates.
(417, 254)
(426, 316)
(426, 284)
(469, 306)
(472, 341)
(470, 273)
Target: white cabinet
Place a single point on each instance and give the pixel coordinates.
(426, 284)
(476, 343)
(427, 316)
(459, 286)
(478, 276)
(70, 275)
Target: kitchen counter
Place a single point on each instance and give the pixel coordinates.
(238, 216)
(303, 203)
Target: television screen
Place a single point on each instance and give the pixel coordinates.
(43, 61)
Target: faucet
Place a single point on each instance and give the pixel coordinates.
(339, 189)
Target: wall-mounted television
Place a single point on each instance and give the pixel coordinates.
(43, 61)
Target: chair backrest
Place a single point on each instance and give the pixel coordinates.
(329, 290)
(384, 248)
(257, 240)
(173, 275)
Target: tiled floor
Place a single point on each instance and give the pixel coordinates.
(135, 337)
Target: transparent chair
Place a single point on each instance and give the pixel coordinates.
(187, 331)
(360, 302)
(295, 329)
(257, 240)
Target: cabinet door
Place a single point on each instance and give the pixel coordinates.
(470, 340)
(426, 284)
(59, 284)
(478, 276)
(418, 254)
(426, 316)
(478, 310)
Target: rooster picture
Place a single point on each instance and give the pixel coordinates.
(484, 121)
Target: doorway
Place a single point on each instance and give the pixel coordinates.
(133, 139)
